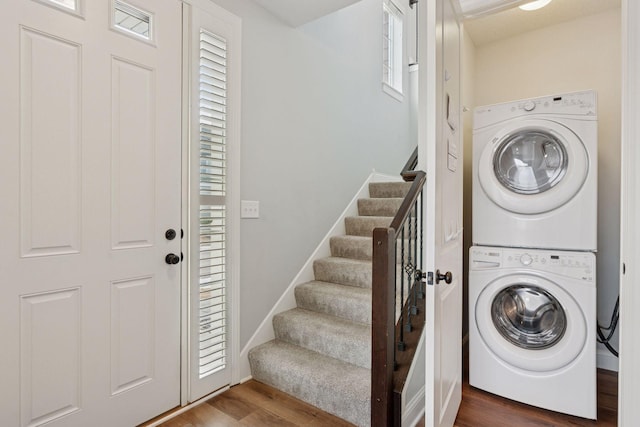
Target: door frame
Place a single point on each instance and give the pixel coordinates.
(431, 124)
(233, 204)
(629, 371)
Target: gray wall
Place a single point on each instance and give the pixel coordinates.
(315, 122)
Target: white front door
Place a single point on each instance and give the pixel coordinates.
(440, 153)
(90, 170)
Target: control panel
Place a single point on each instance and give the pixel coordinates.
(581, 265)
(576, 103)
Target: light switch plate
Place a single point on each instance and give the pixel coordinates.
(249, 209)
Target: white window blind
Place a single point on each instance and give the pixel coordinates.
(212, 120)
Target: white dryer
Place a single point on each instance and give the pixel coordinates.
(535, 173)
(532, 327)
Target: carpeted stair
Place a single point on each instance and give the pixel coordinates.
(322, 350)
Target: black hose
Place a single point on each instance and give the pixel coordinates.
(613, 324)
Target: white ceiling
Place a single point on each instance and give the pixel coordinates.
(298, 12)
(514, 21)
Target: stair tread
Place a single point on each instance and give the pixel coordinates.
(329, 335)
(337, 387)
(344, 271)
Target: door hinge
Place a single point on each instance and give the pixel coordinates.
(430, 278)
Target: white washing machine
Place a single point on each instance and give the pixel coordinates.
(535, 173)
(532, 327)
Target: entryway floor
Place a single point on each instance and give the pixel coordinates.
(257, 405)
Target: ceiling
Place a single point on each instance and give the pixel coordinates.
(514, 21)
(298, 12)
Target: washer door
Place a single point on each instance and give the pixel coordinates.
(530, 322)
(533, 166)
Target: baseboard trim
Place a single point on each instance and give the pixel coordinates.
(606, 360)
(414, 411)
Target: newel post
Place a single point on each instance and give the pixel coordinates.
(383, 327)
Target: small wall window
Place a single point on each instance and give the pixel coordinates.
(392, 68)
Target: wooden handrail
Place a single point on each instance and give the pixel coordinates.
(418, 178)
(411, 164)
(383, 337)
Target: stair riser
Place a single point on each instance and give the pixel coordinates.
(364, 225)
(333, 337)
(388, 189)
(343, 247)
(379, 207)
(329, 384)
(351, 275)
(349, 303)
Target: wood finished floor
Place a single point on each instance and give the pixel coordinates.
(257, 405)
(482, 409)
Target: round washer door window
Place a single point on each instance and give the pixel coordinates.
(530, 322)
(528, 317)
(530, 162)
(533, 166)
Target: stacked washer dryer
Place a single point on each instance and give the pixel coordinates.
(532, 289)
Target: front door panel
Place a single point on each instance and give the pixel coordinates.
(90, 136)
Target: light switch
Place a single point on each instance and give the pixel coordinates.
(249, 209)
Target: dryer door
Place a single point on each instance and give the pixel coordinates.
(533, 166)
(530, 322)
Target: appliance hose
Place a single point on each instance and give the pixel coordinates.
(613, 324)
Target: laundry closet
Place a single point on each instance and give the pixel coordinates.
(569, 46)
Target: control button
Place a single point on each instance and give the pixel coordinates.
(529, 106)
(526, 259)
(544, 260)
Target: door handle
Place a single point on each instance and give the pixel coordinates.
(172, 259)
(447, 277)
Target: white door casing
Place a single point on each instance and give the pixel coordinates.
(90, 135)
(629, 375)
(440, 154)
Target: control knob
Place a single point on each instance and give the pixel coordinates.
(526, 259)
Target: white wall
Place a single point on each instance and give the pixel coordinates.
(581, 54)
(315, 123)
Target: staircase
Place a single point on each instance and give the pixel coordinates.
(322, 350)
